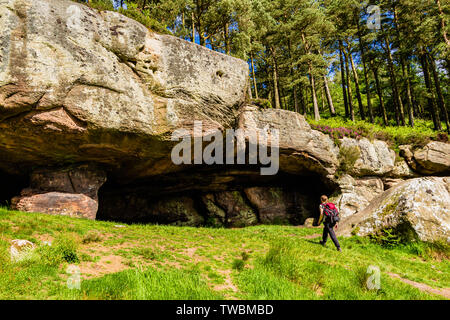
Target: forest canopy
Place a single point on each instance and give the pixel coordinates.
(385, 62)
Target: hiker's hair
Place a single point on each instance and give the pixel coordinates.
(323, 198)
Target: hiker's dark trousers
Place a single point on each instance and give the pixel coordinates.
(328, 229)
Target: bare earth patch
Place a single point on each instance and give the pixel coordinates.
(107, 264)
(312, 236)
(228, 285)
(445, 292)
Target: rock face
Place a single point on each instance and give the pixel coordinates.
(68, 191)
(416, 208)
(375, 159)
(276, 206)
(57, 203)
(301, 148)
(238, 211)
(433, 159)
(176, 210)
(356, 193)
(79, 85)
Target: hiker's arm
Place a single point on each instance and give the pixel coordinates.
(321, 215)
(337, 223)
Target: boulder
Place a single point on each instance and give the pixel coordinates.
(376, 158)
(356, 193)
(433, 159)
(57, 203)
(69, 191)
(301, 149)
(416, 208)
(402, 170)
(21, 249)
(310, 222)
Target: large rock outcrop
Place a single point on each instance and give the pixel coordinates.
(301, 149)
(69, 191)
(80, 85)
(416, 208)
(89, 103)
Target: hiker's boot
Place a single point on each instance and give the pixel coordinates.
(322, 243)
(339, 249)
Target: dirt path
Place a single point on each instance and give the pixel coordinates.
(312, 236)
(445, 292)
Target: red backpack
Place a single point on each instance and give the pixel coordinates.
(330, 211)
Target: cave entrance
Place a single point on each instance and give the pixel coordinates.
(214, 197)
(11, 186)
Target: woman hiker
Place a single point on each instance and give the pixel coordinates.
(329, 221)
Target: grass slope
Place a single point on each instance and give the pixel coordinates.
(165, 262)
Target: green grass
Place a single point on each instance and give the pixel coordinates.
(167, 262)
(148, 285)
(395, 136)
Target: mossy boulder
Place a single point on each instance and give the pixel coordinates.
(416, 208)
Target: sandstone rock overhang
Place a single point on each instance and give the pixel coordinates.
(79, 85)
(80, 88)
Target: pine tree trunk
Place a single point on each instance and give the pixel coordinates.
(366, 77)
(437, 85)
(343, 80)
(380, 96)
(430, 96)
(302, 100)
(443, 28)
(416, 108)
(358, 93)
(408, 94)
(314, 96)
(404, 72)
(312, 83)
(322, 101)
(295, 98)
(282, 95)
(294, 88)
(399, 114)
(254, 77)
(328, 95)
(349, 87)
(275, 81)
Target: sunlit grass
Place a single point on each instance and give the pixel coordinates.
(167, 262)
